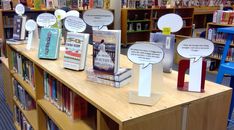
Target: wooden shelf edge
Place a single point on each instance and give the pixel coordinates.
(62, 120)
(5, 62)
(212, 57)
(17, 126)
(31, 116)
(25, 85)
(221, 43)
(216, 24)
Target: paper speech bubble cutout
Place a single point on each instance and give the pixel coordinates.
(30, 25)
(98, 17)
(19, 9)
(172, 21)
(60, 14)
(73, 13)
(145, 54)
(74, 24)
(195, 48)
(46, 19)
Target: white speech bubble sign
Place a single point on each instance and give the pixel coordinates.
(46, 19)
(73, 13)
(19, 9)
(30, 25)
(173, 21)
(60, 14)
(145, 54)
(98, 17)
(195, 48)
(74, 24)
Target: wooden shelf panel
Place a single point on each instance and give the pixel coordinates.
(224, 25)
(24, 84)
(216, 58)
(5, 61)
(17, 127)
(31, 116)
(138, 21)
(221, 43)
(141, 31)
(63, 121)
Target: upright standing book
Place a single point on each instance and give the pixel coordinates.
(106, 50)
(49, 43)
(19, 27)
(76, 50)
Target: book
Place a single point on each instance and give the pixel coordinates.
(49, 44)
(116, 84)
(61, 3)
(166, 42)
(98, 3)
(106, 50)
(19, 27)
(76, 50)
(122, 74)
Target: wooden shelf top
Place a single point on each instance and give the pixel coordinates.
(222, 43)
(31, 116)
(63, 121)
(204, 10)
(216, 24)
(25, 85)
(138, 21)
(114, 101)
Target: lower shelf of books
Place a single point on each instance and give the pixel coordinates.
(31, 115)
(63, 121)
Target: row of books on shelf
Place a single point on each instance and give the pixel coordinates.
(52, 4)
(51, 125)
(63, 98)
(24, 68)
(8, 21)
(223, 17)
(21, 120)
(212, 65)
(138, 26)
(215, 36)
(25, 100)
(218, 52)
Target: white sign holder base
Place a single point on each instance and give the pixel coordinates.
(149, 92)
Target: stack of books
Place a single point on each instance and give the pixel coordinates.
(116, 80)
(106, 52)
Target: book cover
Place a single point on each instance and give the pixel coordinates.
(62, 3)
(49, 43)
(106, 50)
(76, 50)
(74, 4)
(19, 27)
(166, 42)
(122, 74)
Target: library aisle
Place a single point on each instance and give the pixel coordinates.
(6, 122)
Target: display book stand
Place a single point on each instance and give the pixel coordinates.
(147, 71)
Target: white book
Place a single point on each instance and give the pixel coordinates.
(76, 47)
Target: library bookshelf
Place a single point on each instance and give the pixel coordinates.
(147, 20)
(219, 41)
(109, 109)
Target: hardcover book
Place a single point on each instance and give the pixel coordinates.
(19, 27)
(49, 43)
(98, 3)
(76, 50)
(167, 43)
(106, 50)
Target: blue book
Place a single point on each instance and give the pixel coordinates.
(49, 43)
(166, 42)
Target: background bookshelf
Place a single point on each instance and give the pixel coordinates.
(147, 19)
(219, 41)
(108, 107)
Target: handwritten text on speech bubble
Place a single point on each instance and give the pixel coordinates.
(74, 24)
(145, 54)
(46, 19)
(195, 48)
(98, 17)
